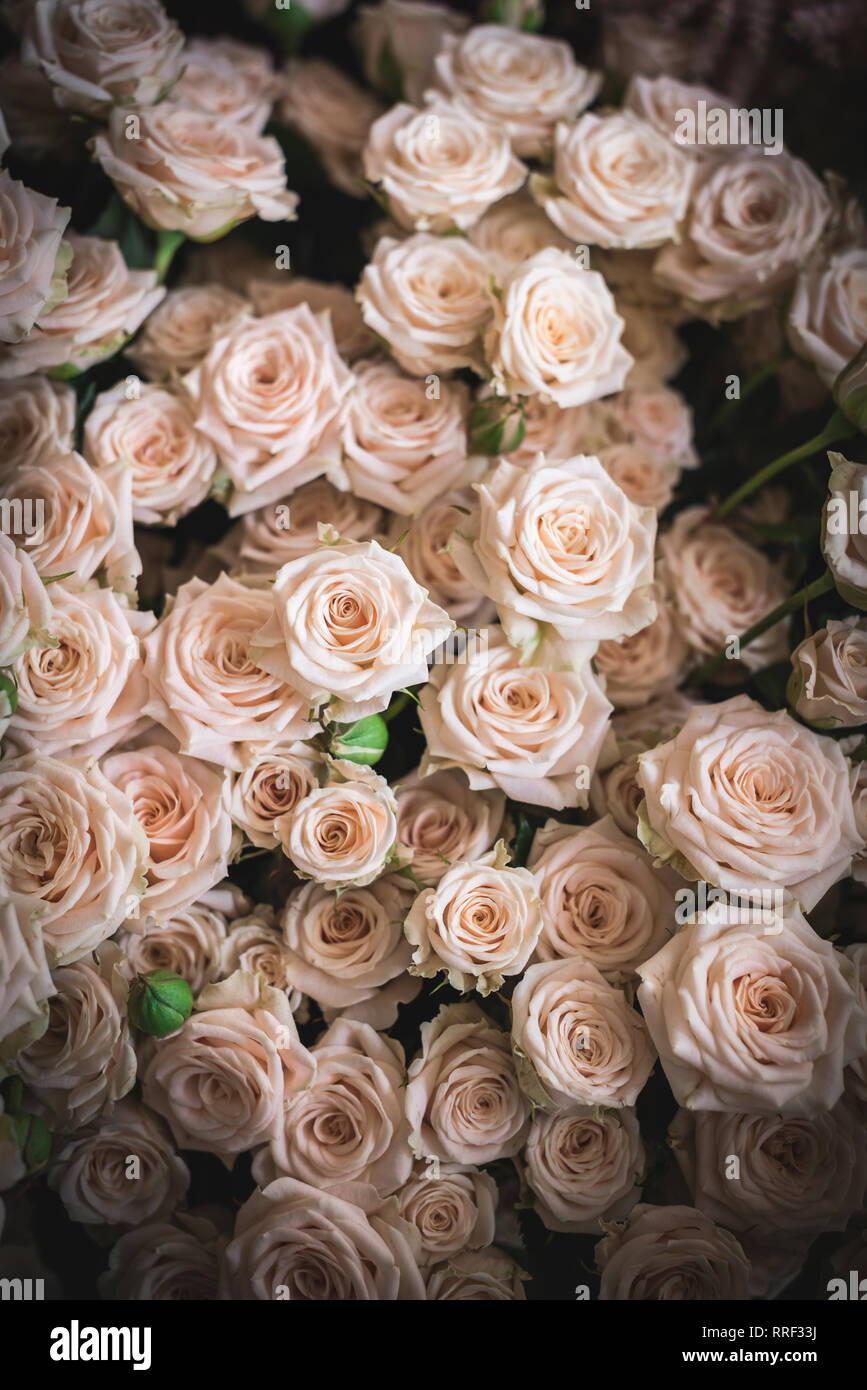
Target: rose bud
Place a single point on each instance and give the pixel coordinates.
(364, 742)
(159, 1003)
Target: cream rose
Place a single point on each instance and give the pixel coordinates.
(647, 481)
(660, 99)
(480, 924)
(255, 944)
(616, 793)
(284, 291)
(403, 444)
(98, 52)
(561, 434)
(165, 1261)
(187, 943)
(556, 333)
(827, 321)
(34, 258)
(26, 981)
(342, 835)
(105, 303)
(844, 545)
(349, 625)
(423, 548)
(676, 1253)
(751, 1010)
(188, 172)
(463, 1100)
(37, 419)
(657, 419)
(828, 687)
(584, 1169)
(453, 1209)
(72, 854)
(272, 536)
(182, 331)
(334, 114)
(427, 296)
(270, 784)
(649, 663)
(85, 1060)
(181, 805)
(578, 1040)
(270, 395)
(512, 231)
(409, 33)
(653, 343)
(535, 734)
(523, 83)
(297, 1242)
(91, 1174)
(222, 1080)
(564, 554)
(441, 823)
(228, 81)
(486, 1276)
(25, 608)
(748, 799)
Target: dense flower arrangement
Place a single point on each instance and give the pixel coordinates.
(433, 808)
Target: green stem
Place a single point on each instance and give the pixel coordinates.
(752, 384)
(167, 245)
(838, 427)
(396, 706)
(822, 585)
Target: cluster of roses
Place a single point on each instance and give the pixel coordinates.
(382, 498)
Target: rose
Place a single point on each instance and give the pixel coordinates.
(348, 1126)
(422, 547)
(269, 395)
(480, 924)
(617, 182)
(297, 1242)
(441, 823)
(535, 734)
(86, 692)
(71, 851)
(221, 1081)
(187, 943)
(752, 223)
(182, 806)
(577, 1039)
(658, 720)
(349, 623)
(25, 608)
(332, 112)
(750, 1010)
(559, 548)
(645, 664)
(283, 291)
(463, 1100)
(228, 81)
(188, 172)
(616, 793)
(858, 784)
(843, 545)
(827, 321)
(662, 100)
(84, 1061)
(657, 419)
(182, 331)
(96, 52)
(523, 83)
(452, 1212)
(34, 257)
(272, 536)
(270, 784)
(427, 297)
(742, 797)
(797, 1177)
(652, 341)
(25, 979)
(168, 1261)
(86, 519)
(720, 585)
(37, 418)
(405, 35)
(105, 303)
(91, 1171)
(584, 1169)
(512, 231)
(828, 686)
(342, 834)
(646, 481)
(488, 1276)
(402, 444)
(561, 434)
(344, 950)
(600, 897)
(556, 332)
(255, 944)
(671, 1253)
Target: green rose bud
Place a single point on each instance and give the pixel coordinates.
(34, 1140)
(850, 390)
(496, 427)
(159, 1003)
(364, 742)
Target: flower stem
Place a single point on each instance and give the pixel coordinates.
(838, 427)
(822, 585)
(396, 706)
(752, 384)
(167, 245)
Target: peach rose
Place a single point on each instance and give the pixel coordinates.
(744, 798)
(349, 625)
(72, 854)
(648, 663)
(271, 783)
(408, 34)
(427, 297)
(297, 1242)
(828, 687)
(577, 1039)
(616, 793)
(97, 52)
(227, 80)
(187, 172)
(255, 944)
(480, 924)
(453, 1210)
(181, 805)
(659, 99)
(655, 418)
(751, 1010)
(284, 291)
(25, 609)
(34, 257)
(442, 823)
(653, 343)
(342, 835)
(556, 333)
(564, 554)
(843, 545)
(172, 1262)
(423, 548)
(333, 113)
(105, 303)
(91, 1171)
(25, 978)
(222, 1080)
(487, 1276)
(535, 734)
(37, 419)
(272, 536)
(512, 231)
(188, 943)
(646, 481)
(85, 1060)
(463, 1100)
(827, 321)
(403, 444)
(522, 83)
(182, 331)
(270, 396)
(584, 1169)
(665, 1254)
(561, 434)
